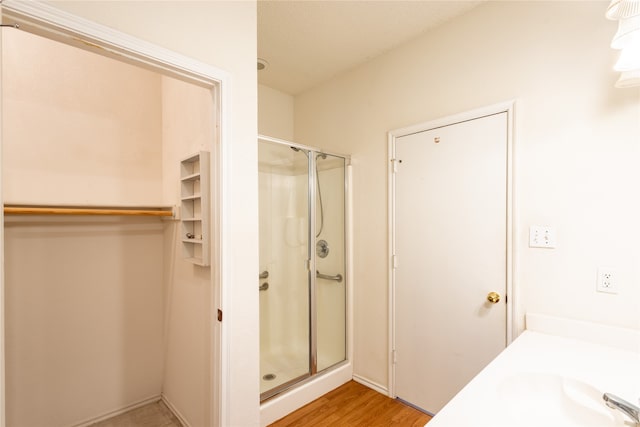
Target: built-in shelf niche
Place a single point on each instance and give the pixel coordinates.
(194, 212)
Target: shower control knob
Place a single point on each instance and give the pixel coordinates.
(493, 297)
(322, 248)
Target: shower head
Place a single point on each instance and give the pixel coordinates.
(296, 149)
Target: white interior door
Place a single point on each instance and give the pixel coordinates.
(450, 247)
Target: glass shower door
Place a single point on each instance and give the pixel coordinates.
(284, 278)
(330, 261)
(303, 258)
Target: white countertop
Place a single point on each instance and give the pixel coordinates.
(550, 380)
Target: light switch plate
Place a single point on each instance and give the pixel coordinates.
(542, 236)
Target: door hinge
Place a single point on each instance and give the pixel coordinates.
(394, 261)
(393, 357)
(394, 165)
(219, 315)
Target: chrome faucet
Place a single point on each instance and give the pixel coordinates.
(614, 402)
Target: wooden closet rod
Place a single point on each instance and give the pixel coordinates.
(114, 211)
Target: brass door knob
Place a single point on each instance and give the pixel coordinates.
(493, 297)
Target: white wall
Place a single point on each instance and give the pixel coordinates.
(275, 113)
(222, 34)
(577, 150)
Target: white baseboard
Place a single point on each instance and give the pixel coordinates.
(117, 412)
(177, 413)
(371, 384)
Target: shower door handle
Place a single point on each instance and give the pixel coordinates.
(336, 278)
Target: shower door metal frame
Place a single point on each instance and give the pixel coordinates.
(313, 152)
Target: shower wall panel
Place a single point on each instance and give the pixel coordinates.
(331, 295)
(283, 251)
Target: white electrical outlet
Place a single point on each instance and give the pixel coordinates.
(542, 237)
(607, 280)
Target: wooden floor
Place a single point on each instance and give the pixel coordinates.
(354, 405)
(152, 415)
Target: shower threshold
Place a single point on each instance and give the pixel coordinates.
(296, 382)
(282, 387)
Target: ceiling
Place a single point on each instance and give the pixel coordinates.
(307, 42)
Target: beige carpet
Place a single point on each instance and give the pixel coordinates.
(152, 415)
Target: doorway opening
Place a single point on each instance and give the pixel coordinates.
(451, 252)
(59, 153)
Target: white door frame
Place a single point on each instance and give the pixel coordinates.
(512, 314)
(50, 22)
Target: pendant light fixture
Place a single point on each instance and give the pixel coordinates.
(627, 40)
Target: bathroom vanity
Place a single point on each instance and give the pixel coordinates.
(554, 374)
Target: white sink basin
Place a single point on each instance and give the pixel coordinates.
(541, 399)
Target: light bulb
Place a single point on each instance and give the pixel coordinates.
(620, 9)
(628, 33)
(629, 79)
(629, 58)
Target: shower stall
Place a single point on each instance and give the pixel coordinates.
(303, 275)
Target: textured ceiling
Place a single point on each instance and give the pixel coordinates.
(308, 42)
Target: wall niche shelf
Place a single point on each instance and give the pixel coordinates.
(194, 212)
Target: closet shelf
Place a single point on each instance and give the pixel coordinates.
(194, 241)
(77, 210)
(194, 207)
(192, 177)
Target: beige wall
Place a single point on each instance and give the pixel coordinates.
(222, 34)
(187, 127)
(101, 127)
(84, 301)
(83, 317)
(275, 113)
(577, 147)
